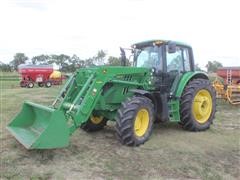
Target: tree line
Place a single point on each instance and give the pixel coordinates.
(71, 63)
(65, 62)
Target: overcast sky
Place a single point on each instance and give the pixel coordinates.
(36, 27)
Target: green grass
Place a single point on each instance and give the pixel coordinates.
(8, 84)
(170, 153)
(9, 80)
(15, 73)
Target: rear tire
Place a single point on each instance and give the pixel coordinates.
(134, 121)
(198, 105)
(94, 123)
(48, 84)
(30, 85)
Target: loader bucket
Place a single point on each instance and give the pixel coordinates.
(40, 127)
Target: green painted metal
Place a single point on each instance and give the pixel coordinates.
(99, 89)
(185, 79)
(174, 110)
(40, 127)
(95, 90)
(177, 90)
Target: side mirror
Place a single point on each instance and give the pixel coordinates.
(171, 47)
(123, 57)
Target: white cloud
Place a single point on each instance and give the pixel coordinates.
(83, 27)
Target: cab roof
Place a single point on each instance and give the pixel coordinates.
(158, 42)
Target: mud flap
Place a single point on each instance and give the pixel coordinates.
(40, 127)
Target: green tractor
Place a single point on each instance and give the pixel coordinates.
(161, 86)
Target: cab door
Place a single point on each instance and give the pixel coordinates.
(177, 63)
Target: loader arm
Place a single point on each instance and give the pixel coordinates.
(82, 96)
(40, 127)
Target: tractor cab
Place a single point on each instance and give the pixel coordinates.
(167, 59)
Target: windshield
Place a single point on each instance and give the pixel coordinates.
(150, 57)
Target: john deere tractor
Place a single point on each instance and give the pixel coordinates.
(161, 86)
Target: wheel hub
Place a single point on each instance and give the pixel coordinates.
(202, 106)
(96, 119)
(141, 122)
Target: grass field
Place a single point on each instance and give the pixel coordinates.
(171, 152)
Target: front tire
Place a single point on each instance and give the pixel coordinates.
(94, 123)
(198, 105)
(134, 121)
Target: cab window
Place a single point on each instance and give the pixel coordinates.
(150, 57)
(186, 59)
(178, 61)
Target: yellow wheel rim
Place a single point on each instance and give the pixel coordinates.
(202, 106)
(96, 119)
(141, 122)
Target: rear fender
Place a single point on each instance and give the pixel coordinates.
(176, 96)
(186, 78)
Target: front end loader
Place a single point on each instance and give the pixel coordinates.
(161, 86)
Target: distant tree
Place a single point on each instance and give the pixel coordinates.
(99, 59)
(5, 67)
(81, 63)
(212, 66)
(62, 60)
(89, 62)
(19, 58)
(197, 68)
(116, 61)
(41, 59)
(74, 63)
(52, 59)
(113, 61)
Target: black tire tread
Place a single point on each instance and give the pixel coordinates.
(89, 126)
(187, 120)
(124, 120)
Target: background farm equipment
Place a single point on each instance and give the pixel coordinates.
(228, 86)
(162, 86)
(43, 75)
